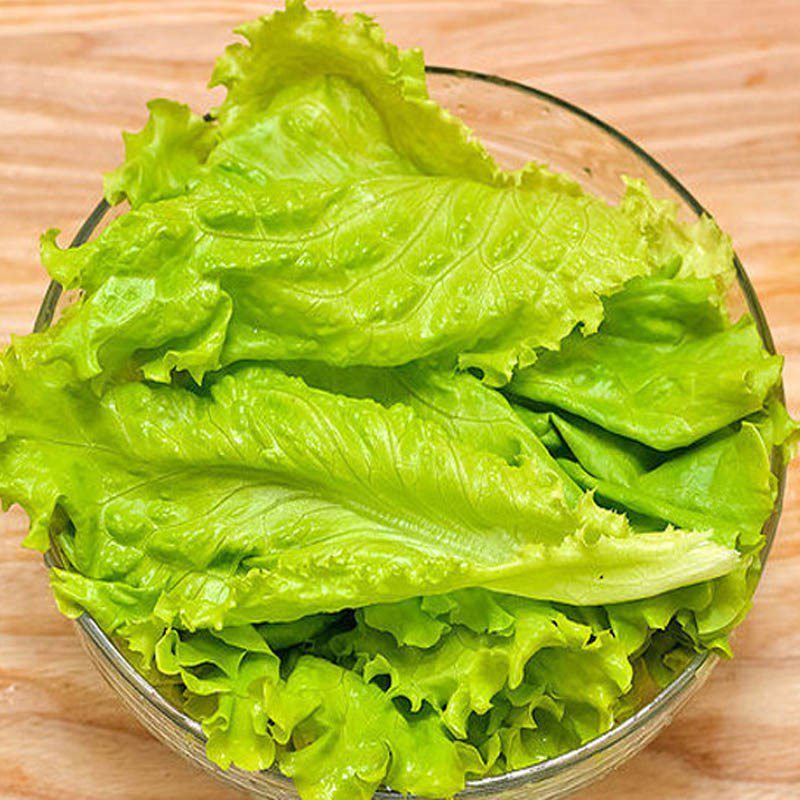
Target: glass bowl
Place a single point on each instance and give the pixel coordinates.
(517, 124)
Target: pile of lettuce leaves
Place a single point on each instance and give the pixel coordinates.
(387, 465)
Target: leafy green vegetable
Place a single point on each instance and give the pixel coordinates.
(408, 284)
(163, 158)
(704, 613)
(214, 512)
(696, 250)
(723, 483)
(438, 254)
(665, 368)
(225, 676)
(466, 669)
(459, 402)
(267, 450)
(349, 738)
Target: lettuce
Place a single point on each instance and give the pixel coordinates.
(214, 512)
(701, 487)
(660, 340)
(411, 285)
(438, 254)
(349, 738)
(163, 158)
(388, 466)
(465, 670)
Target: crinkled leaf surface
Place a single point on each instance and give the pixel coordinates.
(341, 216)
(348, 738)
(211, 510)
(163, 159)
(465, 669)
(665, 368)
(378, 271)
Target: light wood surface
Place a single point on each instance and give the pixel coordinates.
(712, 88)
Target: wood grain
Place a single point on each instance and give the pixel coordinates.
(710, 87)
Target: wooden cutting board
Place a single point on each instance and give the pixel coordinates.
(712, 88)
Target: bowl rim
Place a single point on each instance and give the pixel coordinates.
(668, 698)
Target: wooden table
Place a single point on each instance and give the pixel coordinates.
(712, 88)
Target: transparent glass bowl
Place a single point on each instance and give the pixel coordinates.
(517, 124)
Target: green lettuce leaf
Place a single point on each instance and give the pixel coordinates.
(297, 46)
(347, 738)
(208, 509)
(704, 614)
(464, 406)
(777, 428)
(328, 153)
(665, 368)
(407, 621)
(464, 671)
(723, 483)
(520, 270)
(163, 159)
(540, 423)
(225, 676)
(686, 250)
